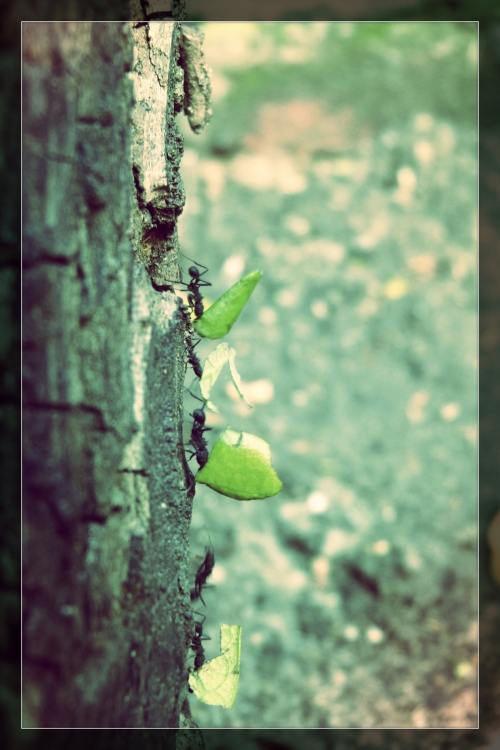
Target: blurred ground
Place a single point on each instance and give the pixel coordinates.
(342, 162)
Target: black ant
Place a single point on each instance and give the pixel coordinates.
(193, 359)
(194, 295)
(199, 418)
(199, 444)
(200, 451)
(196, 642)
(203, 572)
(195, 298)
(197, 441)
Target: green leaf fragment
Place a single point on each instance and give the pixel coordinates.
(212, 407)
(218, 320)
(216, 681)
(240, 466)
(212, 368)
(236, 377)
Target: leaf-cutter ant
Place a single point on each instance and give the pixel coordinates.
(200, 449)
(197, 441)
(203, 572)
(196, 642)
(193, 359)
(194, 296)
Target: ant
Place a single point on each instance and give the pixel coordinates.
(197, 441)
(193, 359)
(193, 288)
(197, 645)
(203, 572)
(196, 642)
(195, 298)
(200, 449)
(196, 303)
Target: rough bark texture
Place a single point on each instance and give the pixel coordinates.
(169, 74)
(107, 615)
(157, 149)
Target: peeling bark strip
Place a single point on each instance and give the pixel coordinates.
(169, 75)
(106, 507)
(197, 89)
(157, 148)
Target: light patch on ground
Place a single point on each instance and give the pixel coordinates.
(268, 316)
(300, 398)
(297, 224)
(449, 412)
(333, 252)
(301, 447)
(234, 266)
(319, 308)
(416, 406)
(317, 502)
(374, 635)
(321, 570)
(305, 125)
(351, 632)
(214, 174)
(424, 152)
(423, 265)
(262, 172)
(337, 541)
(382, 547)
(258, 392)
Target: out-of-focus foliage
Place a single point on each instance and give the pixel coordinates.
(358, 65)
(342, 161)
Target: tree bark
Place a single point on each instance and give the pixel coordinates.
(107, 491)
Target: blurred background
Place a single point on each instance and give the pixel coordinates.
(341, 161)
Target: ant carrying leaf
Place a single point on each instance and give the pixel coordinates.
(196, 440)
(240, 467)
(194, 296)
(196, 642)
(216, 681)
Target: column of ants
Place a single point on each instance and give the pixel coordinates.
(197, 440)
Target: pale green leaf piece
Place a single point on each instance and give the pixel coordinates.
(212, 407)
(216, 681)
(218, 320)
(211, 371)
(212, 367)
(236, 376)
(240, 466)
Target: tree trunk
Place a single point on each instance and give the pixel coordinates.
(107, 498)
